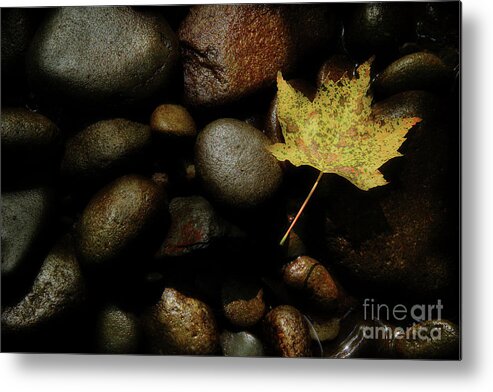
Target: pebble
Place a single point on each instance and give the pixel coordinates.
(242, 301)
(118, 331)
(235, 167)
(121, 220)
(231, 51)
(102, 55)
(287, 331)
(173, 120)
(241, 344)
(57, 290)
(311, 278)
(106, 149)
(181, 325)
(416, 71)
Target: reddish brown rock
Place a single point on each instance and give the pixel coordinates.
(288, 332)
(230, 51)
(335, 68)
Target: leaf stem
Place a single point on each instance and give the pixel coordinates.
(301, 209)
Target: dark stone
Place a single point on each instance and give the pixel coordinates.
(234, 165)
(106, 149)
(123, 220)
(30, 145)
(416, 71)
(231, 51)
(335, 68)
(431, 339)
(377, 28)
(181, 325)
(25, 220)
(287, 331)
(118, 331)
(195, 226)
(102, 55)
(241, 344)
(242, 301)
(57, 290)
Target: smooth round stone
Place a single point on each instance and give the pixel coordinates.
(432, 339)
(118, 331)
(25, 218)
(287, 331)
(121, 221)
(231, 51)
(241, 344)
(173, 120)
(57, 290)
(311, 278)
(105, 149)
(234, 165)
(416, 71)
(243, 302)
(335, 68)
(30, 143)
(181, 325)
(324, 328)
(102, 55)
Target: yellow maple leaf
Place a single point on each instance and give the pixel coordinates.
(337, 133)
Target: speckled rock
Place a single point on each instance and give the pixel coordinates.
(173, 120)
(118, 331)
(416, 71)
(30, 143)
(102, 55)
(234, 165)
(243, 301)
(323, 327)
(230, 51)
(287, 331)
(57, 290)
(432, 339)
(241, 344)
(182, 325)
(105, 149)
(308, 276)
(25, 218)
(195, 226)
(121, 220)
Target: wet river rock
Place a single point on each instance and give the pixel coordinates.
(57, 290)
(181, 325)
(25, 218)
(102, 55)
(234, 165)
(231, 51)
(118, 331)
(242, 301)
(287, 331)
(122, 220)
(105, 149)
(173, 120)
(195, 226)
(416, 71)
(31, 143)
(431, 339)
(308, 276)
(241, 344)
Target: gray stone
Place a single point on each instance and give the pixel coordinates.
(118, 331)
(234, 164)
(241, 344)
(102, 55)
